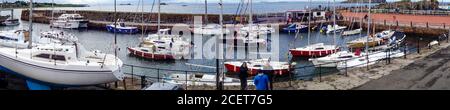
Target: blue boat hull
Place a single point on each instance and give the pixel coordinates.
(293, 30)
(122, 31)
(34, 84)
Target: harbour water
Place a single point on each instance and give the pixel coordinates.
(104, 41)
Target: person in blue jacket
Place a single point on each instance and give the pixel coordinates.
(261, 81)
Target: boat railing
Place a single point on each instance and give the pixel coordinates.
(318, 71)
(142, 75)
(395, 23)
(146, 75)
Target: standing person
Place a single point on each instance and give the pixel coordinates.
(261, 81)
(268, 71)
(243, 75)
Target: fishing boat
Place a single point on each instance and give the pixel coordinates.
(351, 32)
(295, 27)
(62, 65)
(370, 59)
(11, 22)
(70, 21)
(199, 79)
(210, 29)
(121, 28)
(314, 50)
(14, 39)
(4, 18)
(331, 61)
(279, 68)
(361, 42)
(337, 28)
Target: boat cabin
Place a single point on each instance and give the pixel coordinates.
(303, 15)
(71, 17)
(58, 53)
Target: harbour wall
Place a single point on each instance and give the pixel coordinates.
(99, 19)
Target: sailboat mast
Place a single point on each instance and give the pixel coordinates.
(142, 21)
(30, 41)
(309, 22)
(368, 33)
(250, 21)
(361, 21)
(217, 45)
(221, 17)
(115, 27)
(334, 22)
(53, 10)
(159, 18)
(206, 11)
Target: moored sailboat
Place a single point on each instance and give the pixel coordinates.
(279, 68)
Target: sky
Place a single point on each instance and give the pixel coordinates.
(168, 1)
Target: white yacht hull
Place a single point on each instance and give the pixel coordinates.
(59, 74)
(324, 63)
(372, 59)
(70, 24)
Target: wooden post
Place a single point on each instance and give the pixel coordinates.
(427, 25)
(124, 84)
(384, 22)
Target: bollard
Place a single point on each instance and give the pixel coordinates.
(157, 71)
(389, 56)
(143, 81)
(124, 84)
(346, 71)
(427, 25)
(320, 73)
(444, 25)
(187, 80)
(418, 44)
(404, 51)
(385, 22)
(115, 84)
(132, 74)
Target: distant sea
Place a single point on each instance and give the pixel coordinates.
(213, 8)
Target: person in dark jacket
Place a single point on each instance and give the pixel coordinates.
(268, 70)
(243, 75)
